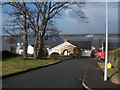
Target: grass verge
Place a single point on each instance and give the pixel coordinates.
(15, 65)
(113, 73)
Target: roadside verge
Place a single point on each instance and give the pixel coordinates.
(113, 73)
(30, 69)
(93, 77)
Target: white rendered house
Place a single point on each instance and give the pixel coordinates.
(19, 50)
(30, 49)
(64, 48)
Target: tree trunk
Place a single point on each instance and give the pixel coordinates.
(41, 40)
(40, 49)
(25, 43)
(35, 46)
(36, 38)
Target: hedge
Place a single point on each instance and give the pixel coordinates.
(6, 54)
(114, 58)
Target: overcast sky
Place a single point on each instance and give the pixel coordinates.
(95, 11)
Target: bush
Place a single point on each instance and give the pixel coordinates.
(110, 57)
(114, 58)
(6, 54)
(77, 51)
(116, 52)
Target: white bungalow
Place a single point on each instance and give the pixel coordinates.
(19, 50)
(65, 48)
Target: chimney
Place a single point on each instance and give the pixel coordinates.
(65, 40)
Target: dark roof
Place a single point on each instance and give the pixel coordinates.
(81, 44)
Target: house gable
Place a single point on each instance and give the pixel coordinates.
(61, 47)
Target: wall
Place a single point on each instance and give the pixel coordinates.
(5, 45)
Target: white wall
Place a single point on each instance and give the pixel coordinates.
(59, 47)
(30, 49)
(18, 48)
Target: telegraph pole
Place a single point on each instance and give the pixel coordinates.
(106, 48)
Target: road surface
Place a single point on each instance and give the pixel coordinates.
(68, 74)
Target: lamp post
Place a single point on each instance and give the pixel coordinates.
(106, 47)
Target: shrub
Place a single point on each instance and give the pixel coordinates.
(116, 52)
(114, 58)
(6, 54)
(77, 51)
(110, 56)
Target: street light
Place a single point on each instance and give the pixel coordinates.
(106, 48)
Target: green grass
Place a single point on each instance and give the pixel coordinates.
(113, 73)
(16, 64)
(0, 68)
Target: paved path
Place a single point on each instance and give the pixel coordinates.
(68, 74)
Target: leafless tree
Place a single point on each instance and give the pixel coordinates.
(52, 31)
(39, 20)
(45, 12)
(35, 24)
(20, 13)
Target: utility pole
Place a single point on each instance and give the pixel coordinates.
(106, 48)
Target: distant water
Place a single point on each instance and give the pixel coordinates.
(95, 39)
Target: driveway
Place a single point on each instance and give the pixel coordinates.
(68, 74)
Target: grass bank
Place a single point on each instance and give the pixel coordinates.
(113, 73)
(16, 64)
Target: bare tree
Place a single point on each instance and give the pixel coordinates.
(13, 27)
(39, 19)
(20, 12)
(35, 24)
(45, 12)
(52, 31)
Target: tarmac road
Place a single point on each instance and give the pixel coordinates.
(68, 74)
